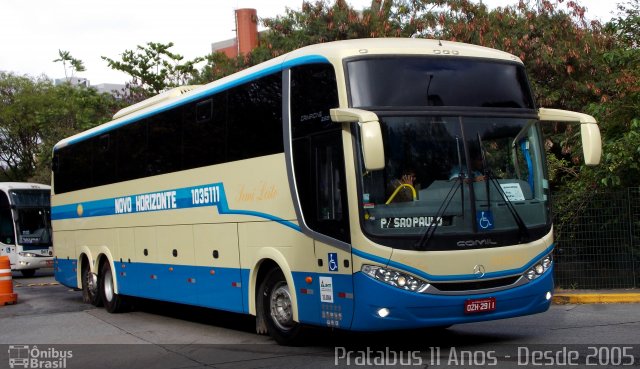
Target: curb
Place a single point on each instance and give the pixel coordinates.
(596, 298)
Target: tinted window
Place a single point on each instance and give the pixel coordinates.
(438, 81)
(313, 94)
(132, 149)
(73, 167)
(104, 157)
(164, 151)
(255, 119)
(318, 158)
(241, 123)
(204, 137)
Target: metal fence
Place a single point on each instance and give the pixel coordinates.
(598, 240)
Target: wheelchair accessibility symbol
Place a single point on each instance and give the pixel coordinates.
(333, 261)
(484, 219)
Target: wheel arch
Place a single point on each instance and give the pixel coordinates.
(268, 259)
(105, 254)
(84, 256)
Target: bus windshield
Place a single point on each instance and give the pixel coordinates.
(420, 81)
(33, 217)
(456, 181)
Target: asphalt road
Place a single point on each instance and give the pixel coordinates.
(53, 328)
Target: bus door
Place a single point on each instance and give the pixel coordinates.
(327, 214)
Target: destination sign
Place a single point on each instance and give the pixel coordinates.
(408, 222)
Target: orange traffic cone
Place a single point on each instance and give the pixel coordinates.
(6, 283)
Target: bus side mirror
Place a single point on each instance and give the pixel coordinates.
(371, 135)
(589, 131)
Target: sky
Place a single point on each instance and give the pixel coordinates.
(32, 31)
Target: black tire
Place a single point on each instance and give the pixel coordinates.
(277, 309)
(90, 293)
(28, 273)
(113, 302)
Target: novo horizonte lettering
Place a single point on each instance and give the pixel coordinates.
(147, 202)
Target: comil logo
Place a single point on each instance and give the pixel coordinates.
(25, 356)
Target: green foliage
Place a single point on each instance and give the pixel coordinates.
(35, 115)
(154, 68)
(75, 65)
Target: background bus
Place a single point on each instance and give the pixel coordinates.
(25, 226)
(269, 192)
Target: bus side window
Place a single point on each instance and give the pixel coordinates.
(328, 159)
(104, 157)
(6, 221)
(317, 150)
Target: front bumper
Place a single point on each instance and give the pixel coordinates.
(414, 310)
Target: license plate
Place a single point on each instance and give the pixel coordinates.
(479, 305)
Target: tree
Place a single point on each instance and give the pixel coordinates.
(153, 68)
(75, 65)
(35, 115)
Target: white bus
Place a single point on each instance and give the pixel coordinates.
(25, 226)
(362, 185)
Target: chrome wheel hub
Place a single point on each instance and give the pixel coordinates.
(280, 307)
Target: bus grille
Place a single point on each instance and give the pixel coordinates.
(476, 285)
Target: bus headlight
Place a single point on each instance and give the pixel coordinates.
(27, 254)
(539, 268)
(395, 278)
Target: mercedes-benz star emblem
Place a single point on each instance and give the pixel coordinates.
(479, 270)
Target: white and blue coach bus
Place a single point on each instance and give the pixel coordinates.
(361, 185)
(25, 226)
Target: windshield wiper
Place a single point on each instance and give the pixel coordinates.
(437, 219)
(457, 184)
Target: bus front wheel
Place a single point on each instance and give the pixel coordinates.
(278, 309)
(113, 302)
(90, 293)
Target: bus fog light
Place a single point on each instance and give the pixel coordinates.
(548, 296)
(383, 313)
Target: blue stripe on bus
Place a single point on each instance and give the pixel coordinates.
(450, 278)
(310, 59)
(65, 272)
(174, 199)
(207, 286)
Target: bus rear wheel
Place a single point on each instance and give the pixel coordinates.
(113, 302)
(278, 309)
(90, 293)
